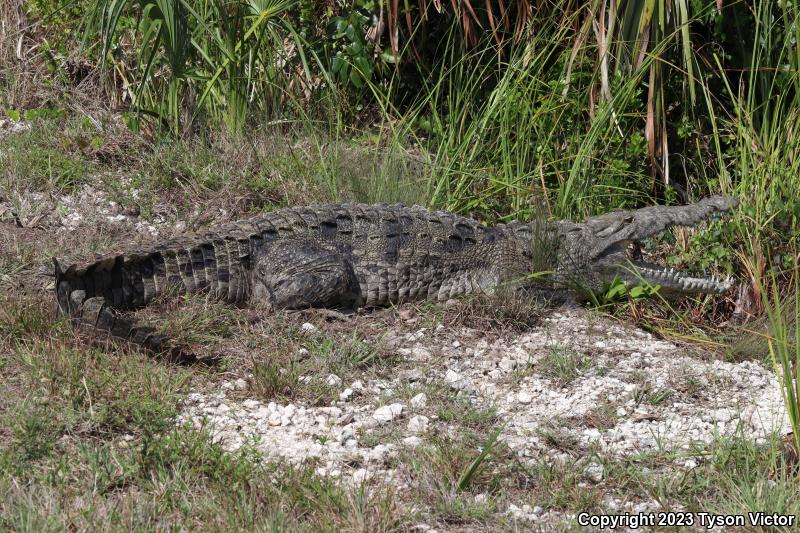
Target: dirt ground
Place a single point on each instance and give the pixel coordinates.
(469, 416)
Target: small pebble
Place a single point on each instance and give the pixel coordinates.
(387, 413)
(418, 424)
(419, 401)
(345, 394)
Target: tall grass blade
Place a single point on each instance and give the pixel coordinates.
(486, 450)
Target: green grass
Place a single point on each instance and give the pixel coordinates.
(563, 364)
(450, 471)
(36, 157)
(300, 365)
(93, 394)
(562, 486)
(451, 407)
(783, 339)
(732, 476)
(651, 395)
(88, 435)
(193, 484)
(88, 431)
(542, 129)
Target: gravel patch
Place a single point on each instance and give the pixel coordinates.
(657, 395)
(296, 433)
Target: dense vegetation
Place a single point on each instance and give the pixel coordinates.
(500, 110)
(582, 106)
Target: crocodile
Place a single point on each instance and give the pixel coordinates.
(359, 255)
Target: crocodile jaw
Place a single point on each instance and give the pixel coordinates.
(609, 236)
(636, 272)
(671, 280)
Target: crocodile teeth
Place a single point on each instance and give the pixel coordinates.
(671, 277)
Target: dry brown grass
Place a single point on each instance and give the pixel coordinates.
(12, 21)
(23, 76)
(91, 427)
(82, 425)
(27, 83)
(505, 311)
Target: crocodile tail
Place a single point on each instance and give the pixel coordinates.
(124, 281)
(217, 264)
(94, 295)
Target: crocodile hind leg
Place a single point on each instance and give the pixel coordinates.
(98, 318)
(291, 275)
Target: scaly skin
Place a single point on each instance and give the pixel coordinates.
(354, 255)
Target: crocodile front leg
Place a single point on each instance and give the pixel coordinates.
(297, 275)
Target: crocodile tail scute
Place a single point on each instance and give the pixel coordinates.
(134, 279)
(126, 282)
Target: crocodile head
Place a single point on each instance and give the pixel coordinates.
(597, 251)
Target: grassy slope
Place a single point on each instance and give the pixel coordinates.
(87, 440)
